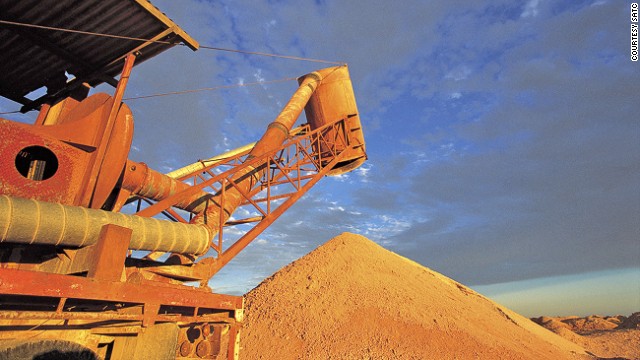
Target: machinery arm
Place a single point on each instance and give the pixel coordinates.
(264, 179)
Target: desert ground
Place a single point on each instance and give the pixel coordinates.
(352, 299)
(607, 337)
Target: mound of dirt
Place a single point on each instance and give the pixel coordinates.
(632, 322)
(352, 299)
(609, 337)
(590, 324)
(560, 328)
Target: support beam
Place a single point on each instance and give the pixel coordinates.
(107, 258)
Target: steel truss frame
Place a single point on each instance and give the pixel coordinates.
(286, 174)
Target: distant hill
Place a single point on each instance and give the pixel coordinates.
(611, 337)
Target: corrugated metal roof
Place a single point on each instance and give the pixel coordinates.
(31, 58)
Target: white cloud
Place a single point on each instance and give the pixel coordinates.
(459, 73)
(385, 226)
(258, 76)
(363, 172)
(531, 9)
(340, 177)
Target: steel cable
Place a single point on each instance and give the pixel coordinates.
(169, 42)
(209, 89)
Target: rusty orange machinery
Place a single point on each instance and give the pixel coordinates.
(64, 180)
(60, 168)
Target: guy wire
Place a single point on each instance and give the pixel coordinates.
(13, 23)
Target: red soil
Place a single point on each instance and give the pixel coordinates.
(352, 299)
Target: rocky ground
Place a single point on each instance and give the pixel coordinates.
(607, 337)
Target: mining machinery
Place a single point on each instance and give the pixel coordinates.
(105, 257)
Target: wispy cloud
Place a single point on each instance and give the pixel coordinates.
(531, 9)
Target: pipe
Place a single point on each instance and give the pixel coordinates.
(141, 180)
(26, 221)
(202, 164)
(275, 135)
(146, 182)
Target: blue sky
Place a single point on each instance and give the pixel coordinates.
(503, 136)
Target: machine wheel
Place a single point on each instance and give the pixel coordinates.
(47, 350)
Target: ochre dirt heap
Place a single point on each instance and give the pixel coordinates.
(610, 337)
(352, 299)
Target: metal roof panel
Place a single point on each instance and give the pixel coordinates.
(31, 58)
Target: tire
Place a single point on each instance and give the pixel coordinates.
(47, 350)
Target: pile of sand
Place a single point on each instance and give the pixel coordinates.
(352, 299)
(611, 337)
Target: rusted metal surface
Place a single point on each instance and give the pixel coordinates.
(87, 317)
(32, 58)
(32, 283)
(165, 240)
(310, 155)
(68, 263)
(234, 343)
(286, 174)
(66, 271)
(108, 255)
(226, 256)
(245, 179)
(200, 165)
(214, 210)
(132, 317)
(20, 146)
(333, 100)
(142, 181)
(68, 149)
(101, 178)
